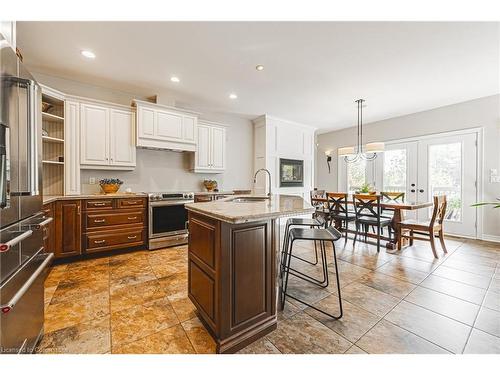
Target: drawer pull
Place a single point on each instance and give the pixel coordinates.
(99, 220)
(99, 204)
(99, 241)
(132, 237)
(132, 202)
(132, 218)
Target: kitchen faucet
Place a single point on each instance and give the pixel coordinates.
(269, 174)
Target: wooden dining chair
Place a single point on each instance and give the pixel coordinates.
(391, 196)
(428, 228)
(368, 214)
(339, 212)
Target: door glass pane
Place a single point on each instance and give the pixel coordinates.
(356, 175)
(394, 178)
(445, 176)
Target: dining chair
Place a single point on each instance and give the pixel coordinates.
(368, 213)
(321, 208)
(395, 197)
(339, 212)
(428, 228)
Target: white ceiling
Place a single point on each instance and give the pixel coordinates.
(313, 70)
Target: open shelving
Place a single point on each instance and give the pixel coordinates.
(52, 144)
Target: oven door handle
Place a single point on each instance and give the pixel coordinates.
(169, 203)
(20, 293)
(13, 242)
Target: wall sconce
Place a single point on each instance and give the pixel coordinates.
(328, 154)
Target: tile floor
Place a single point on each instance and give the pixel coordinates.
(401, 302)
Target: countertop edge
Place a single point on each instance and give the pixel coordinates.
(50, 199)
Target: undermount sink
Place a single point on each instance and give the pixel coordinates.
(249, 199)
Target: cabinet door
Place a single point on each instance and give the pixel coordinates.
(94, 134)
(68, 228)
(122, 138)
(168, 125)
(146, 122)
(218, 149)
(71, 148)
(203, 147)
(188, 127)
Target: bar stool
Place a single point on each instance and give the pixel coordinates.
(304, 222)
(322, 235)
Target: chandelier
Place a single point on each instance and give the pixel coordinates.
(364, 152)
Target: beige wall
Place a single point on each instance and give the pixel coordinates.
(483, 112)
(167, 170)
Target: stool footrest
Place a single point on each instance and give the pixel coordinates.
(336, 317)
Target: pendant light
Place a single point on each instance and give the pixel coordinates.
(353, 154)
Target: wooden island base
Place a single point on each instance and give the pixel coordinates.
(232, 278)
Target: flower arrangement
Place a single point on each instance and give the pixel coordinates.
(110, 185)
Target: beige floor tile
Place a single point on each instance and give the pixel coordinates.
(454, 289)
(440, 330)
(305, 335)
(404, 273)
(372, 300)
(355, 350)
(138, 322)
(262, 346)
(444, 304)
(387, 338)
(492, 301)
(77, 290)
(48, 294)
(55, 275)
(495, 286)
(462, 276)
(201, 340)
(75, 311)
(416, 264)
(478, 269)
(172, 340)
(175, 284)
(305, 291)
(387, 284)
(482, 343)
(354, 323)
(183, 307)
(89, 337)
(489, 321)
(136, 294)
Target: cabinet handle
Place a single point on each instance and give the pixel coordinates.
(132, 202)
(99, 220)
(99, 241)
(131, 237)
(132, 218)
(99, 204)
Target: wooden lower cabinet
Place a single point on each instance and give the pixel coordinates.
(232, 279)
(95, 225)
(68, 228)
(49, 230)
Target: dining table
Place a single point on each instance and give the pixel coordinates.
(397, 242)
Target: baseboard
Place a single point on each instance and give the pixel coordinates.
(491, 238)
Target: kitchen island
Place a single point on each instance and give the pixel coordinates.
(233, 261)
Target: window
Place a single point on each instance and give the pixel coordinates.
(356, 175)
(394, 178)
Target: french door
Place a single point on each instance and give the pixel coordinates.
(440, 165)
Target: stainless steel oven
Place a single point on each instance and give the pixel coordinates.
(168, 219)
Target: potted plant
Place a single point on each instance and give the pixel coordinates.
(366, 188)
(494, 204)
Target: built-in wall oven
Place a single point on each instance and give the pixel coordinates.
(168, 219)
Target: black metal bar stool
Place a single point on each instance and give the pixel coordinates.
(304, 222)
(322, 235)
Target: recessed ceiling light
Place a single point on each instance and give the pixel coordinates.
(233, 96)
(259, 67)
(175, 79)
(88, 54)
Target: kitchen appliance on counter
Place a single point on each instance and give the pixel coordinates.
(168, 219)
(23, 260)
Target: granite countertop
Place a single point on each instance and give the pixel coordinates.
(53, 198)
(214, 193)
(244, 212)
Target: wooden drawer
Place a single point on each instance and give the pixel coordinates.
(131, 202)
(96, 220)
(101, 241)
(99, 204)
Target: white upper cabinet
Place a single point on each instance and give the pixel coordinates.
(122, 138)
(107, 137)
(210, 155)
(94, 134)
(165, 127)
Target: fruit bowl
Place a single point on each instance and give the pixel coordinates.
(210, 185)
(110, 185)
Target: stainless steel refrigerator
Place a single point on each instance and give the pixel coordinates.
(23, 260)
